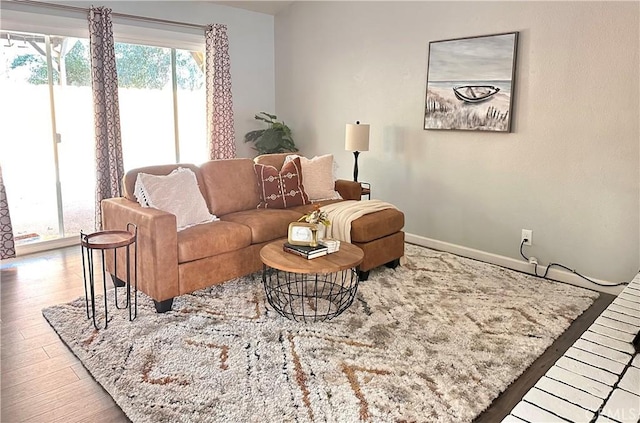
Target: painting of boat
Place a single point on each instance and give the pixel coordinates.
(475, 93)
(470, 83)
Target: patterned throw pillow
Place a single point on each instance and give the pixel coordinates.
(279, 190)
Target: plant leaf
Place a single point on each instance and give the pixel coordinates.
(275, 139)
(258, 117)
(270, 140)
(253, 135)
(273, 117)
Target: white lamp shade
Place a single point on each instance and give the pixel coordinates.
(357, 137)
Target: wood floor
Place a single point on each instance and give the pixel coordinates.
(42, 381)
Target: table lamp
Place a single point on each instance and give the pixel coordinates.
(356, 140)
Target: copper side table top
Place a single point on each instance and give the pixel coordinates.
(107, 239)
(348, 257)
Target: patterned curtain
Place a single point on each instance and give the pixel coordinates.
(104, 82)
(7, 246)
(220, 131)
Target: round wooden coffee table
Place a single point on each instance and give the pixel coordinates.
(310, 290)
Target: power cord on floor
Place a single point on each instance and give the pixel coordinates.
(544, 276)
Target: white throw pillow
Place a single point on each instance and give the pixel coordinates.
(176, 193)
(317, 177)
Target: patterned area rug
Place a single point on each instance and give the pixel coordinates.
(434, 340)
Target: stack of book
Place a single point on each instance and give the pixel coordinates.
(306, 251)
(332, 244)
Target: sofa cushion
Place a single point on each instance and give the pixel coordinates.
(211, 239)
(176, 193)
(265, 224)
(281, 189)
(230, 185)
(376, 225)
(318, 177)
(130, 178)
(272, 159)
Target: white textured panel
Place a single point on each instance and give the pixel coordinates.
(624, 310)
(557, 406)
(610, 353)
(636, 361)
(533, 414)
(512, 419)
(603, 419)
(608, 342)
(635, 283)
(591, 386)
(622, 406)
(625, 303)
(570, 394)
(595, 360)
(631, 381)
(631, 296)
(615, 324)
(612, 333)
(614, 315)
(587, 371)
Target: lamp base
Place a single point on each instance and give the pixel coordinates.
(355, 166)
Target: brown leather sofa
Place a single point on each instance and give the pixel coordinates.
(172, 263)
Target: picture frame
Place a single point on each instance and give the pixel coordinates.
(470, 83)
(300, 233)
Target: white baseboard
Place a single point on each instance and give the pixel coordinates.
(53, 244)
(511, 263)
(508, 262)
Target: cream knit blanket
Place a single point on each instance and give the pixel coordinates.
(343, 213)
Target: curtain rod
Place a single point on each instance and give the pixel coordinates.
(115, 14)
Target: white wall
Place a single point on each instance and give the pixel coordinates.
(251, 43)
(570, 169)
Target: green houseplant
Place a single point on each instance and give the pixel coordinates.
(274, 139)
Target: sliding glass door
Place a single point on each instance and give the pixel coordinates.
(46, 123)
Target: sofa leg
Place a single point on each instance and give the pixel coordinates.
(163, 306)
(363, 276)
(117, 282)
(393, 263)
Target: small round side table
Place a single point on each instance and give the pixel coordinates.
(109, 241)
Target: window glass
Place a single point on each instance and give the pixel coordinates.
(145, 95)
(26, 146)
(73, 101)
(191, 106)
(47, 152)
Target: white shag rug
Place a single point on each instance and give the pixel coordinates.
(435, 340)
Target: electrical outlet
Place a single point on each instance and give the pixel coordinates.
(527, 234)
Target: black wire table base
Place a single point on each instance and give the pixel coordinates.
(313, 297)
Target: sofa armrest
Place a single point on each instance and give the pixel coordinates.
(349, 190)
(157, 246)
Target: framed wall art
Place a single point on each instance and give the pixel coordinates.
(470, 83)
